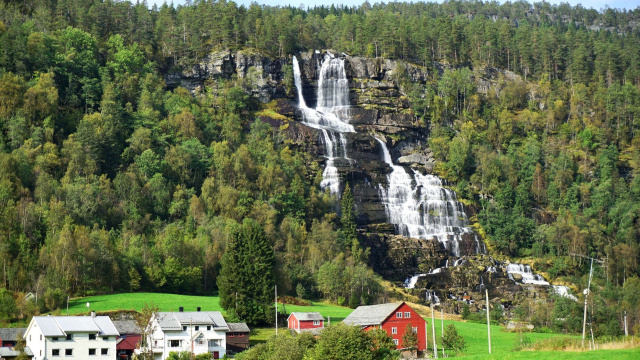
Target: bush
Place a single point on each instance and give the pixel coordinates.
(54, 299)
(452, 340)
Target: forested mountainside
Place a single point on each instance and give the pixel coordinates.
(111, 180)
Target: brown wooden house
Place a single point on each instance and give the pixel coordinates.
(237, 338)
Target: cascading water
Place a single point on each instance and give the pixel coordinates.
(421, 208)
(331, 115)
(528, 277)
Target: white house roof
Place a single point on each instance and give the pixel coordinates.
(127, 327)
(371, 314)
(307, 316)
(176, 320)
(61, 325)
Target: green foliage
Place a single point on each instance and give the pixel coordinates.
(342, 342)
(453, 341)
(246, 279)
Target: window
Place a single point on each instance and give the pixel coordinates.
(395, 342)
(68, 352)
(92, 351)
(104, 351)
(415, 329)
(196, 328)
(184, 328)
(155, 343)
(69, 336)
(232, 334)
(316, 322)
(407, 314)
(105, 338)
(40, 337)
(55, 352)
(92, 336)
(54, 339)
(394, 330)
(174, 343)
(200, 341)
(399, 315)
(208, 327)
(216, 342)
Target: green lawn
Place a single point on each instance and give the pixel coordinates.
(135, 301)
(474, 334)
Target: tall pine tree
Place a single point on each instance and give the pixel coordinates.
(246, 279)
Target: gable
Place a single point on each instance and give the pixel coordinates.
(403, 308)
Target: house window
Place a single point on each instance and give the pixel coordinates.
(55, 352)
(106, 338)
(399, 314)
(200, 341)
(316, 322)
(68, 352)
(208, 327)
(174, 343)
(407, 314)
(54, 339)
(215, 342)
(184, 328)
(196, 328)
(232, 334)
(92, 351)
(92, 336)
(104, 351)
(394, 330)
(40, 337)
(415, 329)
(395, 342)
(155, 343)
(69, 336)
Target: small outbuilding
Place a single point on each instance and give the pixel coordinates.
(305, 321)
(237, 338)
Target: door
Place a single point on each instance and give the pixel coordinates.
(216, 355)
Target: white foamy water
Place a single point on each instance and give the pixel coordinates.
(331, 115)
(528, 277)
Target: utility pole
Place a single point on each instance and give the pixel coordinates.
(586, 294)
(276, 289)
(488, 322)
(433, 330)
(626, 331)
(442, 322)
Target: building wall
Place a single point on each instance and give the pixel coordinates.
(237, 342)
(401, 324)
(32, 340)
(293, 322)
(164, 340)
(304, 325)
(80, 345)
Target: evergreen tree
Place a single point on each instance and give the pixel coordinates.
(246, 279)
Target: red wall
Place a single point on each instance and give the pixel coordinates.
(293, 324)
(401, 324)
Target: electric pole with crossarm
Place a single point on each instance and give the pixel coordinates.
(586, 293)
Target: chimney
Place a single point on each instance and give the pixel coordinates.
(180, 309)
(198, 308)
(93, 314)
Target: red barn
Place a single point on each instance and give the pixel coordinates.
(305, 321)
(393, 318)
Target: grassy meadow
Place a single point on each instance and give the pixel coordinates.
(475, 335)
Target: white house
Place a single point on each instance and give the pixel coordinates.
(79, 337)
(195, 331)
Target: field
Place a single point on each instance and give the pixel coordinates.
(475, 335)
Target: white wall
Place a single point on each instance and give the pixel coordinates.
(43, 349)
(164, 340)
(34, 343)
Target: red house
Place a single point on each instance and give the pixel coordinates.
(305, 321)
(393, 318)
(127, 342)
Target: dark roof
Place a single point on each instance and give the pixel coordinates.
(11, 334)
(307, 316)
(9, 352)
(127, 327)
(371, 315)
(238, 327)
(128, 342)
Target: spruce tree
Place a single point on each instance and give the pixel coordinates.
(246, 279)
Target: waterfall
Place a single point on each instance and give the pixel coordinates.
(410, 283)
(422, 208)
(563, 291)
(528, 277)
(331, 115)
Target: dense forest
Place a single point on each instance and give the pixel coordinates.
(110, 181)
